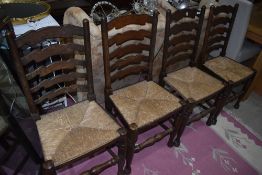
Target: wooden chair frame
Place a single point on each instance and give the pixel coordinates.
(212, 103)
(21, 61)
(132, 129)
(221, 42)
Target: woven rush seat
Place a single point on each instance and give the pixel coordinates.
(228, 69)
(144, 102)
(74, 131)
(193, 83)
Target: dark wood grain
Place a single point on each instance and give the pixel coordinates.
(128, 61)
(185, 26)
(181, 37)
(181, 48)
(54, 94)
(217, 36)
(181, 44)
(180, 57)
(184, 38)
(47, 33)
(221, 20)
(218, 30)
(223, 9)
(220, 23)
(45, 84)
(125, 50)
(129, 35)
(134, 70)
(118, 23)
(45, 70)
(40, 55)
(47, 73)
(123, 61)
(184, 13)
(216, 39)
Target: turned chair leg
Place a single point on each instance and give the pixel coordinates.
(220, 102)
(170, 142)
(245, 89)
(180, 131)
(48, 168)
(182, 122)
(122, 148)
(132, 135)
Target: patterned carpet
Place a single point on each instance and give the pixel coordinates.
(227, 148)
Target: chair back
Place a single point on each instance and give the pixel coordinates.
(238, 33)
(46, 66)
(128, 48)
(182, 34)
(219, 26)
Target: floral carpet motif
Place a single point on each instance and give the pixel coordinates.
(227, 148)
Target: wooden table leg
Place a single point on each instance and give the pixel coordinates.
(256, 85)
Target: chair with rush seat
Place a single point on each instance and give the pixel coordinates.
(219, 27)
(180, 73)
(143, 105)
(48, 72)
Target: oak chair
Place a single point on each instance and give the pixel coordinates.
(219, 26)
(72, 133)
(180, 73)
(128, 50)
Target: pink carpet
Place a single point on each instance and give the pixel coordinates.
(202, 152)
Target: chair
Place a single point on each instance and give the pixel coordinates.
(239, 48)
(180, 73)
(49, 71)
(218, 30)
(128, 50)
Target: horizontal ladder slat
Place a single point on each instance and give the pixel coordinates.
(45, 70)
(118, 23)
(40, 55)
(185, 26)
(47, 83)
(128, 71)
(125, 50)
(129, 60)
(34, 37)
(58, 92)
(129, 35)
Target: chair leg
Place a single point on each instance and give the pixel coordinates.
(170, 142)
(122, 151)
(180, 127)
(132, 136)
(245, 89)
(219, 104)
(48, 168)
(182, 122)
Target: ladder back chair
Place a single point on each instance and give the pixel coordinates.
(72, 133)
(219, 26)
(143, 104)
(180, 73)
